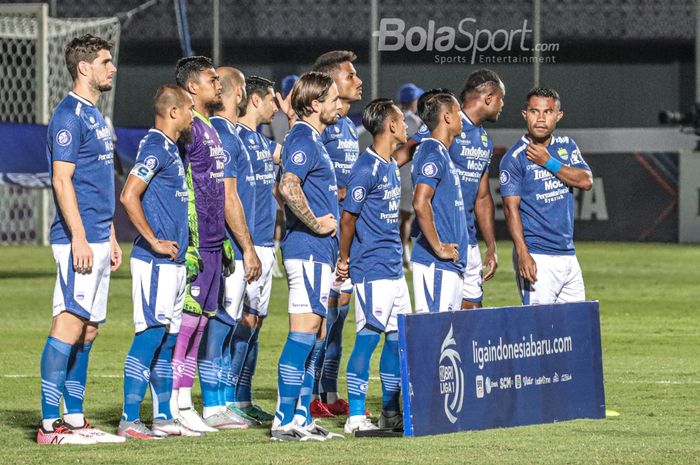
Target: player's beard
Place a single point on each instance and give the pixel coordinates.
(328, 120)
(492, 118)
(214, 106)
(186, 136)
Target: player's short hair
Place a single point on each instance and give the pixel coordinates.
(188, 68)
(255, 85)
(433, 108)
(330, 61)
(166, 97)
(546, 92)
(478, 82)
(375, 114)
(420, 105)
(84, 48)
(310, 86)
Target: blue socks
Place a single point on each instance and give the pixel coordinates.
(162, 378)
(303, 408)
(210, 361)
(225, 382)
(390, 373)
(54, 366)
(137, 369)
(334, 349)
(76, 377)
(292, 365)
(239, 350)
(244, 394)
(358, 369)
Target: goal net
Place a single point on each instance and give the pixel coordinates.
(33, 80)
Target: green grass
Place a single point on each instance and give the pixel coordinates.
(651, 346)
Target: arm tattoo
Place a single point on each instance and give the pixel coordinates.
(296, 201)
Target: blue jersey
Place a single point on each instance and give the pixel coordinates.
(343, 147)
(546, 203)
(471, 154)
(304, 155)
(261, 149)
(432, 166)
(239, 166)
(158, 164)
(78, 134)
(374, 193)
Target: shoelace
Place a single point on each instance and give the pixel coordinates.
(63, 429)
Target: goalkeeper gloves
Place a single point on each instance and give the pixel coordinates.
(228, 258)
(193, 263)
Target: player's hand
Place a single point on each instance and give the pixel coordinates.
(193, 263)
(328, 225)
(448, 252)
(228, 259)
(342, 271)
(490, 263)
(537, 153)
(115, 255)
(163, 247)
(252, 266)
(527, 267)
(82, 256)
(285, 105)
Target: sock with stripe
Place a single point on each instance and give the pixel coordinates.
(188, 327)
(390, 373)
(244, 390)
(303, 408)
(137, 369)
(290, 374)
(366, 341)
(162, 378)
(54, 366)
(242, 336)
(333, 354)
(210, 363)
(225, 382)
(74, 388)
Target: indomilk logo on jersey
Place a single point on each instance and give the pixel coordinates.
(451, 377)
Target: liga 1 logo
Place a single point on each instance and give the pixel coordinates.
(451, 377)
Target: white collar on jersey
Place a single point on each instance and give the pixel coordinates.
(168, 140)
(551, 139)
(464, 115)
(372, 152)
(244, 126)
(312, 128)
(439, 142)
(83, 100)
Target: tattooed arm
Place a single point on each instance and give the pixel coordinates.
(294, 198)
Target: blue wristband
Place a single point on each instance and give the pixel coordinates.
(553, 165)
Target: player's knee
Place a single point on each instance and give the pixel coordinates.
(67, 327)
(344, 299)
(91, 332)
(250, 320)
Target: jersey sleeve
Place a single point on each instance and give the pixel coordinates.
(429, 168)
(511, 175)
(150, 159)
(300, 159)
(421, 134)
(577, 160)
(360, 184)
(65, 137)
(233, 150)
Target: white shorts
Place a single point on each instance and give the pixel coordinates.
(436, 290)
(309, 285)
(379, 302)
(559, 280)
(84, 295)
(234, 292)
(257, 293)
(158, 292)
(472, 290)
(336, 289)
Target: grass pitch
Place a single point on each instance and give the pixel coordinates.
(650, 320)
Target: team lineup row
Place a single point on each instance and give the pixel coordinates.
(203, 196)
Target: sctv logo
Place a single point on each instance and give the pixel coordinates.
(451, 377)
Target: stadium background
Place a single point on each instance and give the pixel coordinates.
(618, 63)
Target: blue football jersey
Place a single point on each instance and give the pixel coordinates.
(374, 193)
(260, 149)
(546, 203)
(304, 155)
(159, 165)
(78, 134)
(471, 153)
(343, 147)
(239, 166)
(432, 166)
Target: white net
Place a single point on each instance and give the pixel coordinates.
(33, 80)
